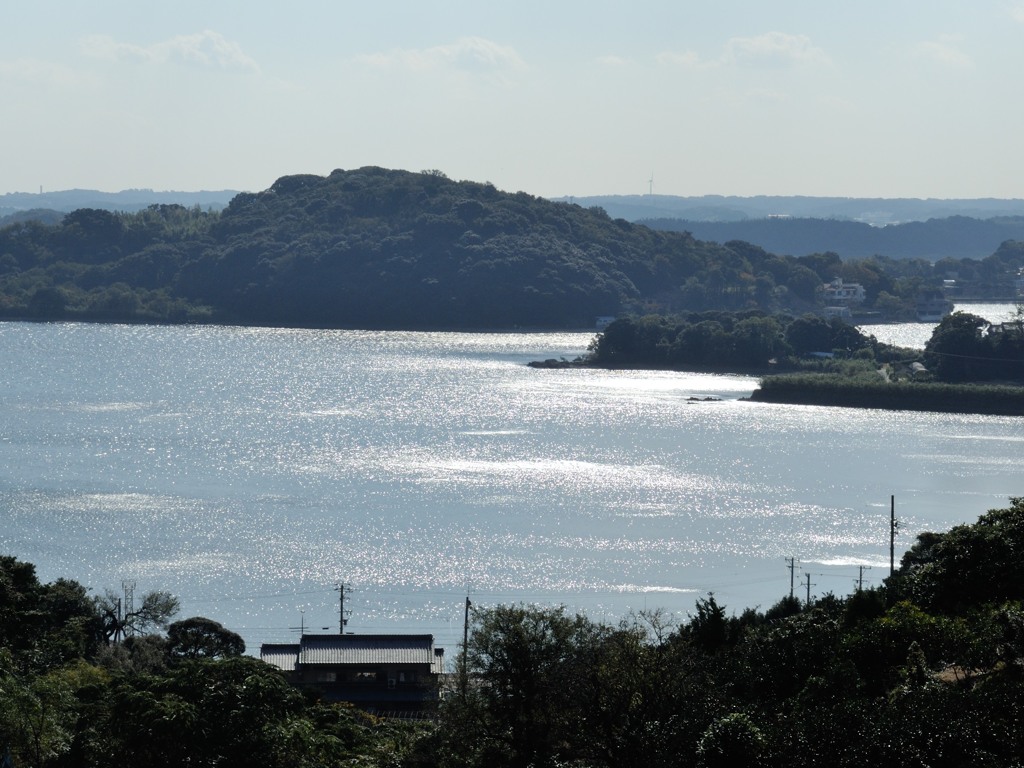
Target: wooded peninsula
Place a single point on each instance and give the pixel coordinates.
(381, 249)
(968, 365)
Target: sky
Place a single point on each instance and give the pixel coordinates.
(901, 98)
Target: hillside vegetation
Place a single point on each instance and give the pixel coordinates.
(376, 248)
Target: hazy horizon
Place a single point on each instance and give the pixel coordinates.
(639, 196)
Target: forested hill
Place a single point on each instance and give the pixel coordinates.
(950, 237)
(380, 248)
(376, 248)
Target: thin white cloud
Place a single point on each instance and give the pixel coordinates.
(614, 61)
(944, 51)
(773, 49)
(685, 60)
(472, 54)
(206, 48)
(1017, 12)
(37, 72)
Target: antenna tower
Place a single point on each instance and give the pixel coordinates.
(129, 608)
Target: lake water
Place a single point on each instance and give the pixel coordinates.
(249, 471)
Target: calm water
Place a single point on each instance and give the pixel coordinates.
(250, 470)
(916, 335)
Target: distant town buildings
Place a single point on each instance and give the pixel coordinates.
(838, 293)
(839, 297)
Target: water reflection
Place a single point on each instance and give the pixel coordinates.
(916, 335)
(250, 470)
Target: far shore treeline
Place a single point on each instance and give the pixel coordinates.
(967, 366)
(925, 669)
(383, 249)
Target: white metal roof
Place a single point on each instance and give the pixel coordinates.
(283, 656)
(369, 650)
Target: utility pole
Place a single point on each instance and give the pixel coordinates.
(119, 627)
(465, 648)
(792, 567)
(860, 578)
(809, 585)
(342, 621)
(893, 526)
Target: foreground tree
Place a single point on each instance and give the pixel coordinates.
(200, 637)
(44, 625)
(969, 564)
(529, 670)
(734, 741)
(154, 613)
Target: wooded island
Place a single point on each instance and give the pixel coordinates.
(380, 249)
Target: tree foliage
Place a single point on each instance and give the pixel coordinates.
(199, 637)
(154, 612)
(954, 570)
(743, 340)
(377, 248)
(965, 347)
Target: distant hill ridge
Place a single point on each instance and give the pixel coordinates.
(958, 237)
(704, 208)
(125, 200)
(876, 211)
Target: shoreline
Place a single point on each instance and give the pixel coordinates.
(822, 389)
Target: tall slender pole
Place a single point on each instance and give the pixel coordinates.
(340, 589)
(465, 648)
(892, 535)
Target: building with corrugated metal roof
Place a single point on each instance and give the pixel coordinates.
(384, 674)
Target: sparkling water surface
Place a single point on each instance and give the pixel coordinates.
(916, 335)
(249, 471)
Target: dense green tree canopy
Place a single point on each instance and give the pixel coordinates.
(42, 625)
(746, 340)
(969, 563)
(199, 637)
(966, 347)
